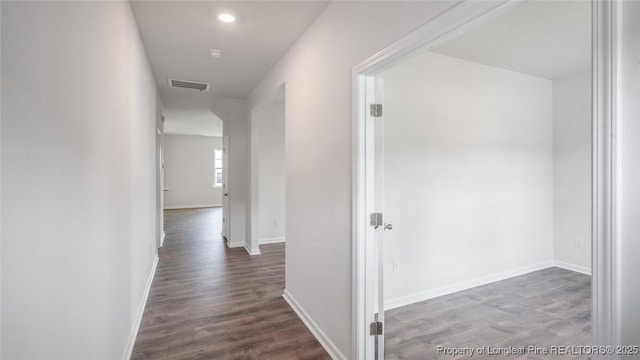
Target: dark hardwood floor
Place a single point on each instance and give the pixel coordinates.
(211, 302)
(546, 308)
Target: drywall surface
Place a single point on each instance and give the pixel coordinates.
(271, 169)
(572, 170)
(189, 171)
(234, 114)
(78, 173)
(630, 153)
(318, 147)
(468, 174)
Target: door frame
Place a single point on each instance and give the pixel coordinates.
(606, 288)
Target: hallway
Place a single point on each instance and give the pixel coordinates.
(211, 302)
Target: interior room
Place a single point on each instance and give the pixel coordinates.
(487, 183)
(193, 161)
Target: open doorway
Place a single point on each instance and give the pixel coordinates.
(193, 164)
(268, 172)
(487, 182)
(474, 185)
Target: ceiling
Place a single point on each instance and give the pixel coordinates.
(547, 39)
(205, 124)
(177, 36)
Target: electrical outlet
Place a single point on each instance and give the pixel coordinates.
(396, 266)
(276, 221)
(579, 242)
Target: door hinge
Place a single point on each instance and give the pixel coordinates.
(375, 219)
(375, 110)
(375, 328)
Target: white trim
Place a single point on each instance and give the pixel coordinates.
(234, 245)
(322, 338)
(606, 259)
(460, 18)
(463, 285)
(136, 327)
(572, 267)
(178, 207)
(251, 251)
(358, 221)
(164, 235)
(275, 240)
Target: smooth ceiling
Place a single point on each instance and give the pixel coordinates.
(205, 124)
(177, 36)
(548, 39)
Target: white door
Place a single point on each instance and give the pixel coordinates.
(160, 184)
(225, 189)
(162, 192)
(375, 207)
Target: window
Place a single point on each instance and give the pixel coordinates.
(217, 175)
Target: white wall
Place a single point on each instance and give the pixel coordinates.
(572, 171)
(317, 73)
(235, 116)
(468, 175)
(271, 169)
(630, 153)
(78, 173)
(189, 171)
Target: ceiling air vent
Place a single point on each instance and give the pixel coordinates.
(185, 84)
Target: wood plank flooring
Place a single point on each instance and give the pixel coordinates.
(211, 302)
(551, 307)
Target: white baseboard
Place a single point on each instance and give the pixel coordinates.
(271, 240)
(138, 321)
(463, 285)
(192, 206)
(572, 267)
(234, 245)
(162, 238)
(322, 338)
(252, 251)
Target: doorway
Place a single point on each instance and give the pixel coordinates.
(461, 191)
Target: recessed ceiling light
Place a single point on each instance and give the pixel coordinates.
(227, 18)
(216, 54)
